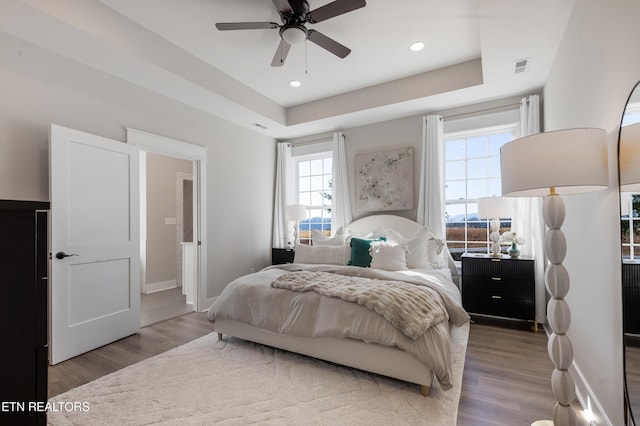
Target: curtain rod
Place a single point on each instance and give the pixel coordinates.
(472, 113)
(311, 142)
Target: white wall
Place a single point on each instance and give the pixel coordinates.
(39, 88)
(595, 70)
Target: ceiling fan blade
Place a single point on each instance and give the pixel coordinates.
(328, 43)
(335, 8)
(283, 6)
(226, 26)
(281, 54)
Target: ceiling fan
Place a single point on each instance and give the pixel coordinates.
(294, 15)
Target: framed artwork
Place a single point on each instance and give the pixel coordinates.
(384, 180)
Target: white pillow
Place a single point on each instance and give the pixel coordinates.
(388, 256)
(332, 255)
(337, 239)
(435, 246)
(423, 249)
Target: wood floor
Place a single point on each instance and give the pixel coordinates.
(506, 378)
(162, 305)
(148, 342)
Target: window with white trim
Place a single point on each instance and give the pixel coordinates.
(313, 188)
(472, 171)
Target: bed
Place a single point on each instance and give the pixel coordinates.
(320, 307)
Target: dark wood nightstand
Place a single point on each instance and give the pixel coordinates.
(499, 286)
(281, 255)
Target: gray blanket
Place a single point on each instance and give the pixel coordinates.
(409, 307)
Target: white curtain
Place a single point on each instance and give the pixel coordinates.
(431, 196)
(280, 224)
(527, 218)
(340, 200)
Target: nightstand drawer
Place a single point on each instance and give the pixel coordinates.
(489, 287)
(498, 268)
(518, 306)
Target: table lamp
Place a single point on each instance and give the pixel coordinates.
(553, 163)
(296, 213)
(495, 208)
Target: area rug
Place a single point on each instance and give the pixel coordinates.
(234, 382)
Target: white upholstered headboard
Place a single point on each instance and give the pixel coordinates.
(406, 227)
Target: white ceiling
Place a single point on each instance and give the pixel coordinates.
(171, 47)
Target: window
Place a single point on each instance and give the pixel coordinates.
(313, 177)
(472, 171)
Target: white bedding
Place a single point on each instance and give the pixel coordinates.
(251, 300)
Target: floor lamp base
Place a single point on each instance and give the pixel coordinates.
(558, 312)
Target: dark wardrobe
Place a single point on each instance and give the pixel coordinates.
(23, 312)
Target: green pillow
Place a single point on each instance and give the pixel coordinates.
(360, 251)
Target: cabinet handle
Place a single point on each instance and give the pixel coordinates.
(496, 297)
(496, 260)
(496, 278)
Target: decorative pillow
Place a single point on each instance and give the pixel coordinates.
(388, 256)
(332, 255)
(423, 249)
(435, 246)
(360, 251)
(337, 239)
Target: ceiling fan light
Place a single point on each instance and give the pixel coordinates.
(417, 46)
(295, 83)
(294, 35)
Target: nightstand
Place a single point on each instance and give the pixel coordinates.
(499, 286)
(281, 255)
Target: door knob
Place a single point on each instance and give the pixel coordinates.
(62, 255)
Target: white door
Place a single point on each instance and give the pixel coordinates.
(95, 267)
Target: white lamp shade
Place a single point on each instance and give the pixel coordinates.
(495, 207)
(296, 212)
(572, 161)
(630, 158)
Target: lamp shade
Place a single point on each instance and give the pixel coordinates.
(630, 158)
(296, 212)
(495, 207)
(572, 161)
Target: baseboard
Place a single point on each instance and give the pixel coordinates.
(590, 405)
(159, 286)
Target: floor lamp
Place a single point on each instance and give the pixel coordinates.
(553, 164)
(495, 208)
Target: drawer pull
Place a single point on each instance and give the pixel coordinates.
(496, 297)
(496, 260)
(496, 278)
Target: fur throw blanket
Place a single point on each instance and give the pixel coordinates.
(409, 307)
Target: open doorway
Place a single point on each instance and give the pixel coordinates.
(167, 289)
(190, 178)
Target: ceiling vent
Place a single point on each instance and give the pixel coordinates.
(521, 65)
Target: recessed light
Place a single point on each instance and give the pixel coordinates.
(295, 83)
(417, 46)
